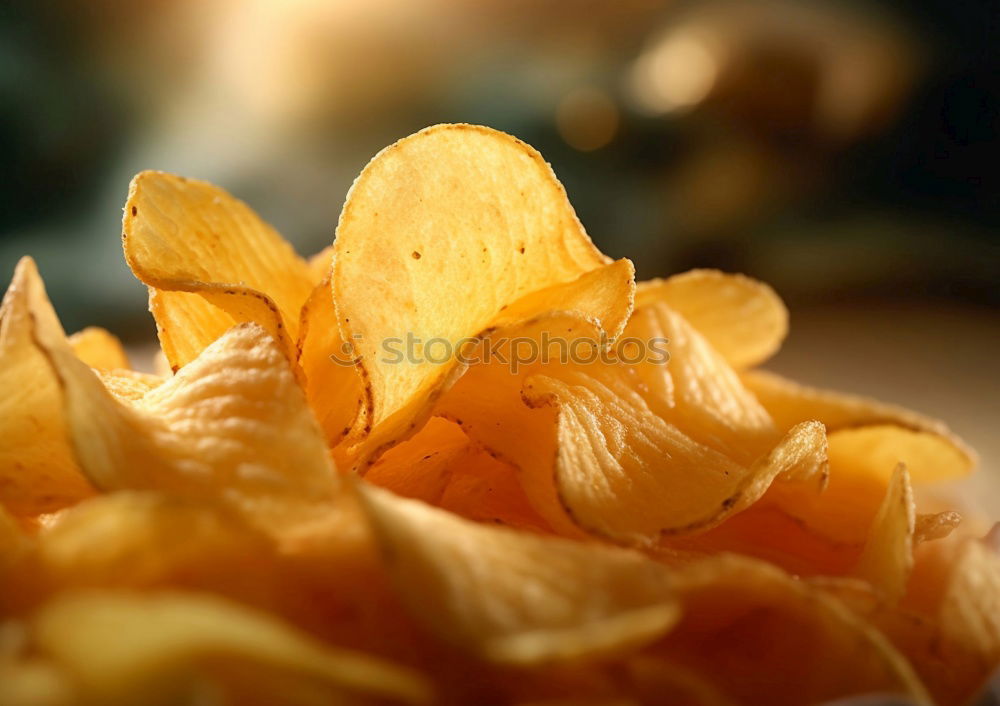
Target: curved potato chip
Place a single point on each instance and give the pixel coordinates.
(333, 384)
(128, 385)
(887, 559)
(969, 614)
(592, 455)
(38, 472)
(766, 637)
(131, 539)
(936, 525)
(623, 473)
(99, 349)
(744, 319)
(707, 399)
(234, 421)
(861, 463)
(159, 637)
(210, 263)
(441, 466)
(789, 403)
(517, 597)
(320, 265)
(954, 680)
(469, 221)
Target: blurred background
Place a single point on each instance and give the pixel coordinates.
(846, 152)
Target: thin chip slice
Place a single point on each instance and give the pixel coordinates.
(233, 422)
(441, 466)
(333, 383)
(320, 264)
(707, 401)
(99, 349)
(469, 221)
(742, 318)
(517, 597)
(37, 470)
(159, 638)
(969, 614)
(765, 637)
(861, 463)
(143, 540)
(593, 457)
(623, 473)
(129, 385)
(887, 559)
(790, 402)
(210, 262)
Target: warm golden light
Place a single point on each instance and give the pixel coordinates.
(677, 73)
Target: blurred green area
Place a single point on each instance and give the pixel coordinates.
(844, 152)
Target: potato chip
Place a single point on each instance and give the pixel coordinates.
(938, 525)
(141, 539)
(789, 403)
(99, 349)
(128, 385)
(441, 466)
(159, 638)
(210, 263)
(970, 608)
(333, 385)
(861, 463)
(707, 400)
(469, 221)
(742, 318)
(762, 636)
(37, 470)
(517, 597)
(320, 265)
(234, 421)
(592, 455)
(887, 558)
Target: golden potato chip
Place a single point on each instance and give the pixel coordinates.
(320, 264)
(469, 221)
(764, 531)
(742, 318)
(970, 608)
(210, 263)
(517, 597)
(233, 422)
(141, 539)
(764, 637)
(37, 470)
(887, 559)
(707, 400)
(333, 384)
(591, 454)
(99, 349)
(128, 385)
(938, 525)
(861, 463)
(160, 638)
(441, 466)
(789, 403)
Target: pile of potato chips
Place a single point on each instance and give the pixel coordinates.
(268, 522)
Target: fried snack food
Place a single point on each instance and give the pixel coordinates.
(461, 457)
